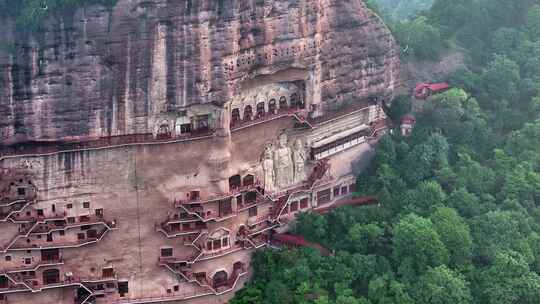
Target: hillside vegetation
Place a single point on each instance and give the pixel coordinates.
(401, 9)
(459, 220)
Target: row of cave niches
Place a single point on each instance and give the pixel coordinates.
(307, 50)
(32, 260)
(263, 110)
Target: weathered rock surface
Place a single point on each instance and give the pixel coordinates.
(104, 73)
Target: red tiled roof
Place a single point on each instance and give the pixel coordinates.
(408, 119)
(421, 86)
(432, 86)
(439, 86)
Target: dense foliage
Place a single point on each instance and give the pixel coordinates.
(400, 9)
(479, 26)
(459, 220)
(30, 15)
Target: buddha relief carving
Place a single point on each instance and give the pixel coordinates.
(268, 169)
(299, 158)
(283, 164)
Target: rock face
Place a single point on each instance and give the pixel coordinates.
(116, 72)
(238, 115)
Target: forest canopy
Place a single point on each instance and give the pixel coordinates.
(459, 215)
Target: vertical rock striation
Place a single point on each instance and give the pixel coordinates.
(107, 72)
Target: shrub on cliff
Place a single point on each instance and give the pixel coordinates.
(419, 39)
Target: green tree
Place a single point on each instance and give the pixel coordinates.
(501, 78)
(426, 158)
(455, 235)
(276, 292)
(424, 198)
(466, 79)
(401, 105)
(403, 9)
(250, 294)
(509, 281)
(533, 22)
(472, 175)
(465, 202)
(419, 39)
(441, 285)
(506, 40)
(449, 16)
(312, 226)
(417, 246)
(366, 239)
(498, 231)
(521, 183)
(524, 144)
(386, 290)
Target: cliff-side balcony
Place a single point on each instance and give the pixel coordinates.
(34, 265)
(13, 210)
(223, 286)
(253, 186)
(6, 202)
(102, 288)
(193, 210)
(198, 213)
(184, 217)
(197, 133)
(251, 202)
(80, 239)
(72, 222)
(221, 282)
(175, 263)
(197, 200)
(102, 142)
(254, 221)
(209, 255)
(297, 112)
(257, 241)
(194, 242)
(23, 193)
(7, 285)
(203, 255)
(260, 227)
(35, 216)
(51, 278)
(181, 268)
(171, 230)
(192, 134)
(27, 227)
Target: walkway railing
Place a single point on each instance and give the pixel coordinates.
(298, 113)
(54, 147)
(15, 209)
(41, 263)
(217, 197)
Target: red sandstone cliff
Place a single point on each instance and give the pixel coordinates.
(108, 73)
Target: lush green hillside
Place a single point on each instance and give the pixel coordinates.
(460, 218)
(402, 9)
